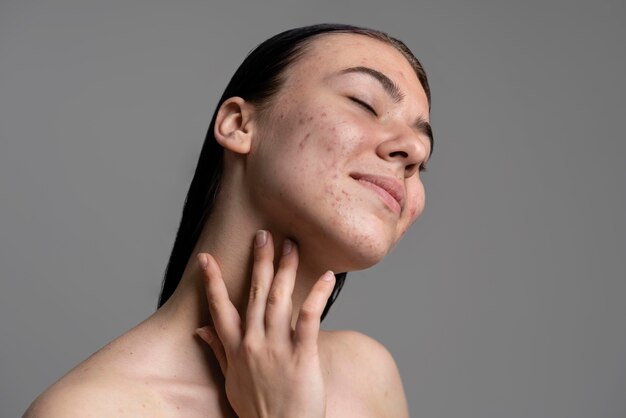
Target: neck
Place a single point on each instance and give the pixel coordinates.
(228, 236)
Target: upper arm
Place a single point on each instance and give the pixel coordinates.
(376, 373)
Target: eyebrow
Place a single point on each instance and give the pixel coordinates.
(392, 89)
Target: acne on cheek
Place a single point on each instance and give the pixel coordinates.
(345, 197)
(337, 197)
(302, 119)
(334, 138)
(303, 141)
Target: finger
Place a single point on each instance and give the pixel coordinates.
(308, 323)
(279, 305)
(209, 336)
(224, 314)
(262, 276)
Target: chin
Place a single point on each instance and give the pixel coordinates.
(366, 252)
(344, 251)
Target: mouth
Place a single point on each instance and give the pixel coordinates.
(388, 189)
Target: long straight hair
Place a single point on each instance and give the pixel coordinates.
(256, 80)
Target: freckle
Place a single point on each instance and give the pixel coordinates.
(301, 121)
(323, 114)
(310, 118)
(329, 149)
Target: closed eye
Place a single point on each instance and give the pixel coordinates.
(364, 105)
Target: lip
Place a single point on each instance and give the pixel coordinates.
(389, 189)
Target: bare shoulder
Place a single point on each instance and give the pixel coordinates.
(94, 398)
(370, 368)
(100, 386)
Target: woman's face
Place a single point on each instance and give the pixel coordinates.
(335, 163)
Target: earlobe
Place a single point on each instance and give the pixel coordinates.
(234, 125)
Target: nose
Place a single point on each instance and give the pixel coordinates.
(403, 148)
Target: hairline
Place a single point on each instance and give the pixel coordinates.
(304, 47)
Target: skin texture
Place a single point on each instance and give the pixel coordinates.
(322, 137)
(271, 370)
(290, 171)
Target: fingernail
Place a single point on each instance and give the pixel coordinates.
(328, 276)
(203, 260)
(260, 238)
(204, 334)
(287, 245)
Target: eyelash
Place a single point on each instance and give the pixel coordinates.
(364, 105)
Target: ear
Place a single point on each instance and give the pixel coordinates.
(234, 125)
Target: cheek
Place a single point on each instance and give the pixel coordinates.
(333, 142)
(340, 199)
(315, 146)
(417, 201)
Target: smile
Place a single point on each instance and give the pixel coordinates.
(388, 189)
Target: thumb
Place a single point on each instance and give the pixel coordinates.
(209, 336)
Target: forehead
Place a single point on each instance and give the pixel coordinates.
(330, 53)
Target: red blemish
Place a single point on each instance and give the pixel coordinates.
(301, 144)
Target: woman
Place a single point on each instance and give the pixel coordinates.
(311, 162)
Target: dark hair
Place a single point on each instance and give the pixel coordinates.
(256, 80)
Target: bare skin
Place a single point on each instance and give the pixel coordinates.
(262, 354)
(117, 380)
(161, 367)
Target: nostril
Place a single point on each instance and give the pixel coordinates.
(402, 154)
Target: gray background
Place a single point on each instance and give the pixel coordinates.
(505, 300)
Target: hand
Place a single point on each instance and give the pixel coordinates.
(270, 369)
